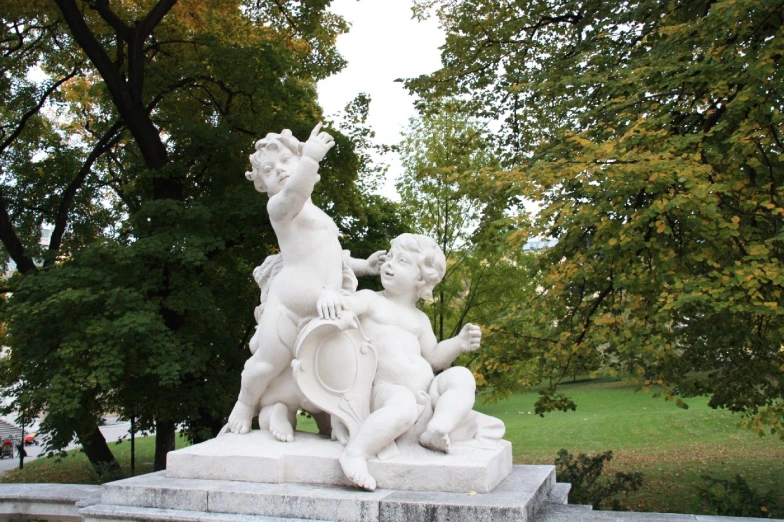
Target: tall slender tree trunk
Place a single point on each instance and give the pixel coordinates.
(444, 240)
(441, 314)
(164, 442)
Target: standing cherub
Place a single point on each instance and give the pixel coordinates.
(311, 258)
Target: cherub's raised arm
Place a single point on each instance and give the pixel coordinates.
(299, 187)
(440, 355)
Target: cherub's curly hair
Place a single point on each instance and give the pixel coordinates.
(431, 260)
(272, 141)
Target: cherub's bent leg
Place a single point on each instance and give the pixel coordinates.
(264, 417)
(454, 393)
(282, 422)
(272, 357)
(282, 400)
(395, 411)
(339, 430)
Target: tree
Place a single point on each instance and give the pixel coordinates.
(440, 153)
(445, 157)
(652, 135)
(146, 298)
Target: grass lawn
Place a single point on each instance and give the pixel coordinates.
(670, 446)
(76, 469)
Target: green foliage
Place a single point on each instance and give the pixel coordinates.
(735, 498)
(445, 155)
(552, 400)
(588, 486)
(440, 155)
(652, 134)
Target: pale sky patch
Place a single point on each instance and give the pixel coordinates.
(383, 44)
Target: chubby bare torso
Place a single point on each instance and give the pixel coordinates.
(394, 331)
(312, 260)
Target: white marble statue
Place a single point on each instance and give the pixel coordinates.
(363, 363)
(311, 265)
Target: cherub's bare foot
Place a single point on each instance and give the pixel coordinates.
(436, 440)
(279, 423)
(240, 418)
(356, 471)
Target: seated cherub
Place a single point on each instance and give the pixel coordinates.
(408, 352)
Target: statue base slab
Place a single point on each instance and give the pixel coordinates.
(312, 459)
(156, 497)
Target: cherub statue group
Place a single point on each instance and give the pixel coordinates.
(314, 278)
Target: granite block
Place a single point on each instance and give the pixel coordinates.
(515, 499)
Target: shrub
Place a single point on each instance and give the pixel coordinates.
(588, 486)
(736, 498)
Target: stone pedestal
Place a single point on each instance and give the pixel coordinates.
(158, 497)
(311, 459)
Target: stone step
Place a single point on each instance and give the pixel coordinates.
(560, 493)
(516, 499)
(45, 501)
(578, 513)
(106, 513)
(9, 431)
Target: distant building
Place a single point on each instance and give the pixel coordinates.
(46, 234)
(534, 245)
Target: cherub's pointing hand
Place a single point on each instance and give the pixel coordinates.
(318, 144)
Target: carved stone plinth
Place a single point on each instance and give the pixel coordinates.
(311, 459)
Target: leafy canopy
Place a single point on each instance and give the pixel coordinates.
(651, 133)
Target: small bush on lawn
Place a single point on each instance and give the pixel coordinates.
(735, 497)
(588, 486)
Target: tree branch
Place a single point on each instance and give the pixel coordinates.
(108, 140)
(90, 45)
(11, 241)
(109, 16)
(153, 18)
(32, 112)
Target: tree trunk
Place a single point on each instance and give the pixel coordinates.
(206, 426)
(164, 442)
(441, 314)
(98, 452)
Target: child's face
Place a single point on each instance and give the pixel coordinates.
(400, 271)
(276, 167)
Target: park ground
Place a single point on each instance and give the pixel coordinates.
(671, 446)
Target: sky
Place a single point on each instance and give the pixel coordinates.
(384, 43)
